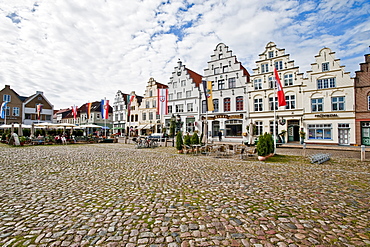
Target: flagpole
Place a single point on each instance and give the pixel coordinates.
(274, 105)
(105, 117)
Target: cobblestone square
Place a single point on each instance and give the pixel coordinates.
(115, 195)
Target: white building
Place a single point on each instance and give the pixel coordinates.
(183, 98)
(329, 102)
(149, 120)
(261, 94)
(229, 86)
(120, 112)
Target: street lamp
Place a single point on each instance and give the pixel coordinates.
(178, 123)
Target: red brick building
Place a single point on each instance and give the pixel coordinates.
(362, 102)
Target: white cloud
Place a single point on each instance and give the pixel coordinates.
(79, 51)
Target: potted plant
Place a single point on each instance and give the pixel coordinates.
(270, 144)
(302, 134)
(179, 142)
(262, 147)
(22, 140)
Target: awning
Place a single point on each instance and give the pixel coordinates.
(148, 126)
(141, 126)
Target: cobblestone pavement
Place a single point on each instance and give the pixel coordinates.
(115, 195)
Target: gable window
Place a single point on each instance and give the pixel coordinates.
(273, 102)
(221, 84)
(317, 105)
(147, 104)
(16, 111)
(188, 94)
(225, 69)
(232, 82)
(239, 103)
(183, 83)
(326, 83)
(175, 84)
(227, 104)
(288, 79)
(279, 65)
(257, 84)
(325, 66)
(216, 70)
(271, 54)
(337, 103)
(215, 105)
(144, 116)
(6, 97)
(290, 102)
(258, 104)
(150, 93)
(179, 95)
(170, 96)
(264, 67)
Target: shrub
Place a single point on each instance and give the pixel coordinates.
(187, 140)
(179, 141)
(194, 139)
(262, 146)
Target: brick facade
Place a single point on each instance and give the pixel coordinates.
(362, 92)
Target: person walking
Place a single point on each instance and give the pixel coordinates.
(219, 135)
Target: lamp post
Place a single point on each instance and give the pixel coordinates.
(178, 123)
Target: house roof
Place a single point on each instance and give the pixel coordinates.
(197, 78)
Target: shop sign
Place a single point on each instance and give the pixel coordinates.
(326, 115)
(222, 116)
(237, 116)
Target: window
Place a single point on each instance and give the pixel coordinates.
(273, 102)
(28, 116)
(188, 94)
(290, 101)
(225, 69)
(179, 108)
(179, 95)
(47, 117)
(325, 66)
(337, 103)
(232, 82)
(264, 67)
(6, 97)
(147, 104)
(272, 127)
(257, 84)
(258, 105)
(170, 96)
(317, 105)
(183, 83)
(215, 105)
(239, 103)
(16, 111)
(221, 84)
(170, 109)
(220, 56)
(272, 82)
(319, 131)
(190, 107)
(97, 116)
(288, 79)
(154, 103)
(259, 128)
(216, 71)
(121, 116)
(144, 116)
(204, 106)
(157, 116)
(7, 110)
(279, 65)
(368, 103)
(326, 83)
(227, 104)
(150, 93)
(271, 54)
(150, 115)
(175, 84)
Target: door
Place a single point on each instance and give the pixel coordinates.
(343, 136)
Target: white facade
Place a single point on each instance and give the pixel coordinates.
(262, 93)
(229, 92)
(119, 112)
(149, 120)
(329, 102)
(183, 98)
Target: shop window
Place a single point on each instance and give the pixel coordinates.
(320, 131)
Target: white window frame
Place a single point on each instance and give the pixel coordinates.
(257, 84)
(258, 104)
(7, 97)
(337, 102)
(314, 102)
(290, 102)
(320, 131)
(264, 67)
(288, 80)
(16, 111)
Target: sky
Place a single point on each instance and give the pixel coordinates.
(86, 50)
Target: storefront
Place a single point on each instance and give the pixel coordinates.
(365, 133)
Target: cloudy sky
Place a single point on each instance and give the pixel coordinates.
(85, 50)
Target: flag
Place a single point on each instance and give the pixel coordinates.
(162, 101)
(280, 91)
(104, 108)
(88, 110)
(207, 86)
(74, 111)
(3, 109)
(39, 110)
(130, 98)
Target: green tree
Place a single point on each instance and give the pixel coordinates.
(194, 139)
(179, 141)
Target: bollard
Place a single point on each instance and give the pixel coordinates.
(304, 149)
(362, 152)
(165, 142)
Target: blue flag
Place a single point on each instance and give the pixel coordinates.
(3, 109)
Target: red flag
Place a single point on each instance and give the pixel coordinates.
(280, 91)
(39, 110)
(74, 111)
